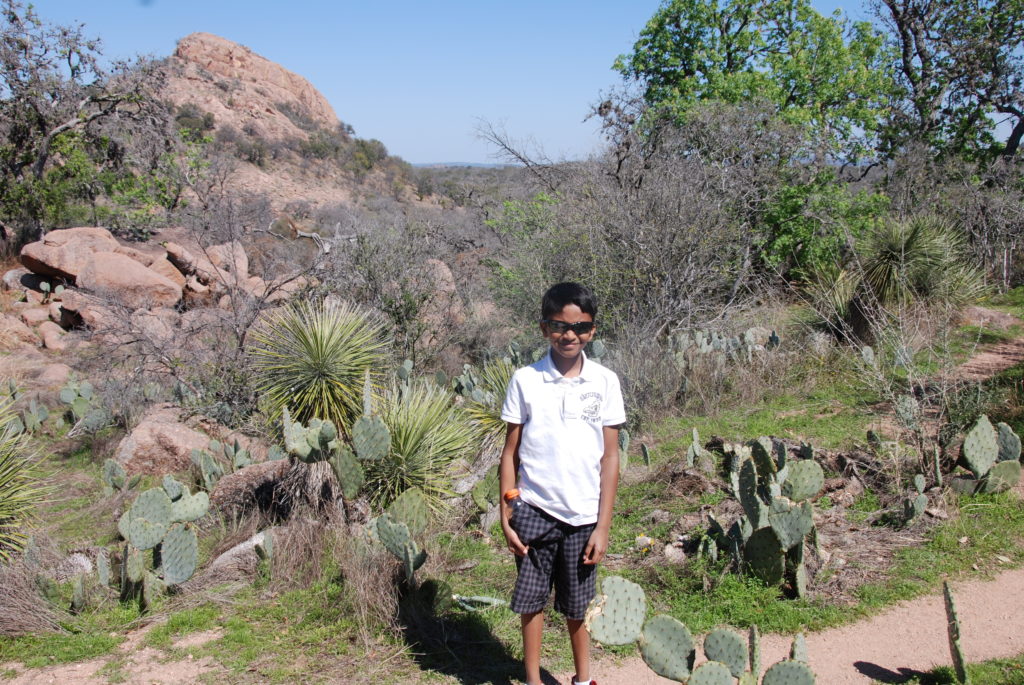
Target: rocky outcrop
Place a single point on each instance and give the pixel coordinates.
(127, 282)
(160, 444)
(230, 61)
(64, 253)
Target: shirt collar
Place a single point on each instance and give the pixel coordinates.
(552, 375)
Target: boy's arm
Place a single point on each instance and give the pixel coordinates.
(508, 471)
(598, 543)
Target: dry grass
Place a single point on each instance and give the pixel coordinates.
(23, 610)
(369, 574)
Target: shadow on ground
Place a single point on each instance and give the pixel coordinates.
(902, 675)
(456, 643)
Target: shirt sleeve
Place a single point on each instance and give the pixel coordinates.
(614, 411)
(513, 409)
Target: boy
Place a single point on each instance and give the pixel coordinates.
(562, 454)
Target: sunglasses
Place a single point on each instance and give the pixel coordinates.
(560, 327)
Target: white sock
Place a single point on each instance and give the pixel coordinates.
(580, 682)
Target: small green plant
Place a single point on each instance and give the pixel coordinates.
(20, 489)
(159, 520)
(617, 615)
(115, 478)
(34, 416)
(49, 293)
(314, 357)
(992, 455)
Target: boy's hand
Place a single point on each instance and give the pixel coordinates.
(596, 546)
(515, 545)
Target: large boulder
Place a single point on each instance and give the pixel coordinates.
(14, 332)
(78, 309)
(64, 253)
(128, 282)
(160, 444)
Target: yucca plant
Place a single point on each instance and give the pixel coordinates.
(921, 260)
(484, 407)
(427, 432)
(313, 357)
(20, 490)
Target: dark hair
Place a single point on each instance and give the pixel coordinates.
(562, 294)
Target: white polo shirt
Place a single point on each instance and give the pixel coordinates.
(562, 440)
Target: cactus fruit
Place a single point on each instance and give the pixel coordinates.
(790, 522)
(711, 673)
(411, 508)
(804, 480)
(667, 647)
(980, 449)
(179, 554)
(953, 632)
(727, 647)
(789, 673)
(616, 614)
(371, 438)
(347, 470)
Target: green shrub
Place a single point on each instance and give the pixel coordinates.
(20, 490)
(314, 358)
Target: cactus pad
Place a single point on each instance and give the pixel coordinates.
(798, 650)
(791, 522)
(486, 491)
(667, 647)
(711, 673)
(762, 450)
(179, 554)
(103, 568)
(412, 559)
(804, 480)
(371, 438)
(953, 632)
(980, 449)
(145, 534)
(1009, 443)
(348, 471)
(153, 505)
(800, 580)
(616, 614)
(114, 474)
(190, 507)
(394, 535)
(411, 509)
(727, 647)
(152, 587)
(752, 504)
(764, 556)
(965, 485)
(789, 673)
(134, 565)
(754, 650)
(919, 483)
(1001, 477)
(172, 487)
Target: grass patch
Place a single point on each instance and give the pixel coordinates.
(92, 634)
(182, 623)
(994, 672)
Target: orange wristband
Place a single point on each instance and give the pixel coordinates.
(511, 494)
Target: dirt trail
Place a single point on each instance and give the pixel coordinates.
(891, 647)
(992, 360)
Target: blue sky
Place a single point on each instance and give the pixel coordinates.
(418, 76)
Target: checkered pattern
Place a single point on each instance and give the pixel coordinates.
(555, 558)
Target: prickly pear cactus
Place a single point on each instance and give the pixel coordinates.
(798, 650)
(371, 438)
(953, 632)
(667, 647)
(764, 556)
(754, 650)
(727, 647)
(762, 451)
(179, 554)
(1009, 443)
(789, 673)
(1001, 477)
(791, 522)
(981, 448)
(397, 540)
(347, 470)
(486, 491)
(616, 614)
(711, 673)
(804, 480)
(411, 508)
(753, 506)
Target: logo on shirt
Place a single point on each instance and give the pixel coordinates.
(591, 403)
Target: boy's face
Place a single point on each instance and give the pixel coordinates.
(568, 344)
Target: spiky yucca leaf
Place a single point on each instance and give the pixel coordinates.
(314, 357)
(427, 433)
(485, 412)
(20, 490)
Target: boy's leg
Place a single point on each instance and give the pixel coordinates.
(580, 639)
(533, 631)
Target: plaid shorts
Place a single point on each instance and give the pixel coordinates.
(555, 557)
